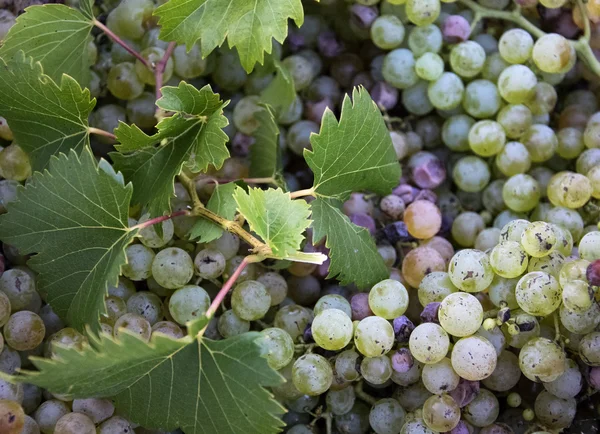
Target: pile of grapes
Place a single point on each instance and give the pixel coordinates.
(490, 320)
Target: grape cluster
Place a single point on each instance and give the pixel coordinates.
(490, 319)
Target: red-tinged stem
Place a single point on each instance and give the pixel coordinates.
(122, 43)
(227, 286)
(100, 132)
(159, 69)
(159, 219)
(268, 180)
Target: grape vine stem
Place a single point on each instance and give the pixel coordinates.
(362, 395)
(159, 69)
(160, 219)
(302, 193)
(100, 132)
(122, 43)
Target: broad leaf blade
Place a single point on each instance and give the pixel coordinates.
(193, 134)
(281, 92)
(355, 153)
(222, 203)
(248, 25)
(264, 152)
(55, 35)
(353, 253)
(74, 216)
(200, 386)
(45, 118)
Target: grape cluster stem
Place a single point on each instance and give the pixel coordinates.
(122, 43)
(362, 395)
(100, 132)
(159, 69)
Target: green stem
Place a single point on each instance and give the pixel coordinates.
(362, 395)
(100, 132)
(190, 186)
(587, 55)
(586, 21)
(302, 193)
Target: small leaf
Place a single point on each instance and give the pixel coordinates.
(55, 35)
(353, 253)
(194, 133)
(222, 203)
(74, 216)
(248, 25)
(198, 385)
(281, 92)
(275, 217)
(355, 153)
(45, 118)
(265, 154)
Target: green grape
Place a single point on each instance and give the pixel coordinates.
(541, 142)
(467, 59)
(152, 39)
(430, 66)
(49, 413)
(300, 70)
(243, 114)
(68, 338)
(494, 336)
(573, 270)
(474, 358)
(209, 263)
(139, 262)
(123, 82)
(133, 324)
(550, 264)
(416, 425)
(387, 416)
(277, 347)
(593, 175)
(399, 68)
(589, 349)
(587, 160)
(435, 287)
(538, 293)
(554, 53)
(189, 64)
(14, 163)
(277, 287)
(516, 84)
(250, 300)
(515, 119)
(471, 174)
(332, 329)
(481, 99)
(373, 336)
(554, 412)
(521, 193)
(569, 189)
(188, 304)
(24, 331)
(388, 299)
(429, 343)
(483, 410)
(333, 301)
(543, 100)
(486, 138)
(415, 99)
(153, 55)
(107, 118)
(8, 193)
(115, 424)
(570, 143)
(124, 289)
(5, 308)
(446, 93)
(513, 159)
(75, 423)
(119, 54)
(376, 370)
(229, 73)
(298, 136)
(493, 67)
(230, 324)
(591, 135)
(170, 329)
(492, 197)
(455, 132)
(249, 273)
(312, 375)
(460, 314)
(441, 413)
(422, 12)
(425, 39)
(150, 238)
(387, 32)
(19, 288)
(470, 270)
(293, 319)
(487, 239)
(129, 17)
(440, 377)
(566, 223)
(589, 246)
(340, 401)
(515, 46)
(542, 360)
(172, 268)
(539, 239)
(115, 309)
(466, 227)
(506, 375)
(569, 384)
(346, 363)
(580, 322)
(140, 111)
(228, 244)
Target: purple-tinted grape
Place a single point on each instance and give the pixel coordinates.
(295, 41)
(313, 111)
(402, 360)
(363, 16)
(360, 306)
(428, 172)
(446, 227)
(461, 428)
(549, 14)
(430, 312)
(595, 377)
(406, 192)
(427, 195)
(465, 392)
(593, 273)
(496, 428)
(456, 28)
(403, 327)
(240, 145)
(307, 335)
(395, 232)
(363, 220)
(329, 45)
(344, 67)
(364, 79)
(384, 95)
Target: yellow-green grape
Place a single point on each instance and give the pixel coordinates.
(589, 349)
(550, 264)
(75, 423)
(133, 324)
(441, 413)
(471, 174)
(467, 58)
(374, 336)
(487, 138)
(189, 64)
(513, 399)
(487, 239)
(474, 358)
(123, 82)
(435, 287)
(516, 84)
(513, 230)
(569, 189)
(470, 270)
(250, 300)
(293, 319)
(139, 262)
(376, 370)
(312, 374)
(153, 55)
(554, 412)
(508, 259)
(554, 53)
(580, 323)
(594, 177)
(569, 384)
(577, 296)
(429, 343)
(573, 270)
(506, 375)
(14, 163)
(460, 314)
(503, 290)
(24, 330)
(541, 359)
(539, 239)
(386, 416)
(277, 346)
(387, 32)
(541, 142)
(230, 324)
(422, 12)
(564, 243)
(521, 193)
(589, 246)
(515, 46)
(332, 329)
(538, 293)
(513, 159)
(388, 299)
(150, 238)
(570, 143)
(440, 377)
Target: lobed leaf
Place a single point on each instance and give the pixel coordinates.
(248, 25)
(55, 35)
(44, 117)
(265, 155)
(281, 92)
(222, 203)
(198, 385)
(74, 216)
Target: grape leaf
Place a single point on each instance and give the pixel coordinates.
(55, 35)
(264, 153)
(353, 253)
(198, 385)
(248, 25)
(193, 134)
(74, 216)
(45, 118)
(355, 153)
(281, 92)
(222, 203)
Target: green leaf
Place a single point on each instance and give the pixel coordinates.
(281, 92)
(45, 118)
(192, 135)
(264, 153)
(55, 35)
(248, 25)
(222, 203)
(355, 153)
(74, 216)
(353, 253)
(198, 385)
(275, 217)
(87, 8)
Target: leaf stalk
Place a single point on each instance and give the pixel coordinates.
(302, 193)
(122, 43)
(160, 219)
(100, 132)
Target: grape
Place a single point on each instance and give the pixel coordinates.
(250, 300)
(508, 259)
(419, 262)
(554, 412)
(228, 244)
(550, 264)
(139, 262)
(209, 264)
(14, 163)
(483, 410)
(425, 39)
(423, 219)
(278, 347)
(435, 287)
(115, 425)
(416, 426)
(540, 141)
(123, 82)
(18, 287)
(553, 53)
(544, 99)
(399, 68)
(150, 238)
(539, 239)
(346, 365)
(541, 359)
(293, 319)
(589, 349)
(244, 113)
(493, 67)
(455, 132)
(521, 193)
(75, 423)
(538, 293)
(387, 416)
(573, 270)
(373, 336)
(516, 84)
(188, 64)
(481, 99)
(440, 377)
(441, 413)
(429, 343)
(68, 338)
(515, 46)
(8, 193)
(474, 358)
(388, 299)
(460, 314)
(456, 28)
(231, 325)
(570, 143)
(146, 304)
(24, 331)
(412, 397)
(333, 301)
(12, 417)
(135, 325)
(589, 246)
(355, 421)
(506, 375)
(569, 384)
(471, 174)
(430, 66)
(312, 374)
(569, 189)
(332, 329)
(580, 322)
(188, 304)
(172, 268)
(470, 270)
(487, 239)
(416, 100)
(467, 58)
(376, 370)
(170, 329)
(387, 32)
(486, 138)
(422, 12)
(249, 273)
(446, 93)
(48, 414)
(340, 401)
